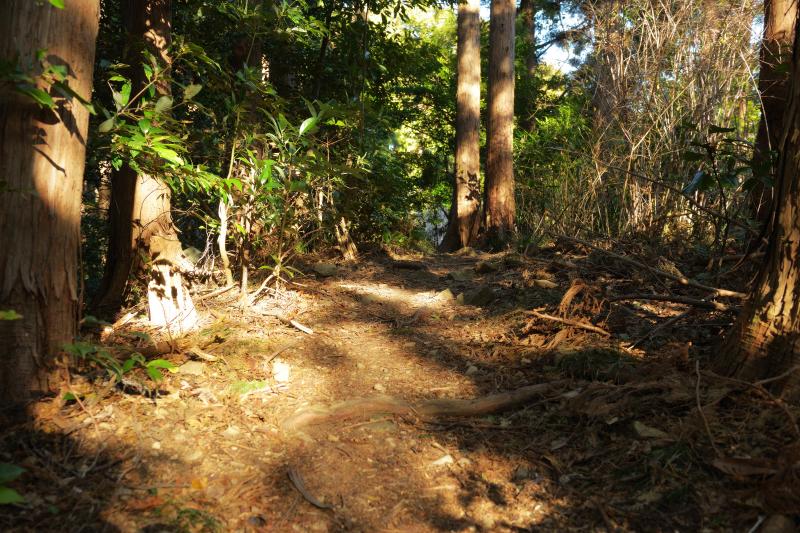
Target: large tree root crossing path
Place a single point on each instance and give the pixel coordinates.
(468, 393)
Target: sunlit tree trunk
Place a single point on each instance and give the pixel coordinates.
(500, 206)
(465, 213)
(140, 210)
(765, 340)
(42, 155)
(773, 85)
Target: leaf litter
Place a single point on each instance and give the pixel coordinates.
(628, 429)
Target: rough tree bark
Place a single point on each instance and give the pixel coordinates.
(780, 17)
(140, 212)
(500, 204)
(42, 156)
(765, 340)
(465, 212)
(527, 16)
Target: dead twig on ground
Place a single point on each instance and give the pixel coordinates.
(658, 328)
(212, 294)
(299, 484)
(570, 322)
(705, 304)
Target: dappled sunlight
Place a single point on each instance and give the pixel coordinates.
(378, 266)
(401, 298)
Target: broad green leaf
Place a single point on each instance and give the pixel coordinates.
(163, 103)
(191, 91)
(106, 125)
(168, 154)
(41, 97)
(154, 373)
(145, 125)
(162, 363)
(10, 495)
(9, 315)
(69, 397)
(122, 97)
(9, 472)
(307, 124)
(57, 3)
(128, 365)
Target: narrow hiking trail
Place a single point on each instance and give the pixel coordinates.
(251, 432)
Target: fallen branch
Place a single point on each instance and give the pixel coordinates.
(725, 293)
(705, 304)
(290, 322)
(299, 484)
(652, 332)
(570, 322)
(215, 292)
(366, 407)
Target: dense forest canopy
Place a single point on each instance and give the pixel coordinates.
(166, 165)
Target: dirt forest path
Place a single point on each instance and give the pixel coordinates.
(250, 434)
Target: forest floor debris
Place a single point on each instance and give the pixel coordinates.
(628, 429)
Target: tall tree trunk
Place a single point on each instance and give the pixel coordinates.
(500, 205)
(527, 16)
(42, 157)
(780, 17)
(527, 13)
(765, 340)
(465, 212)
(140, 211)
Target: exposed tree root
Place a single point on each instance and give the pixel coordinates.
(365, 407)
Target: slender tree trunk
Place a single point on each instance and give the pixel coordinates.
(527, 16)
(465, 212)
(765, 340)
(527, 13)
(500, 206)
(42, 157)
(140, 211)
(780, 17)
(323, 49)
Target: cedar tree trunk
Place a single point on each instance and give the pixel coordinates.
(765, 340)
(500, 206)
(42, 155)
(140, 211)
(465, 213)
(773, 85)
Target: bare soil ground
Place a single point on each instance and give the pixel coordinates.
(634, 431)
